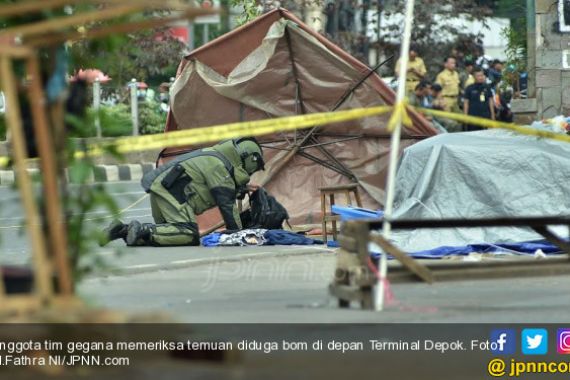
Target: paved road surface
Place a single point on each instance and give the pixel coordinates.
(273, 284)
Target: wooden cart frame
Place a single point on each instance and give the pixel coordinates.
(356, 274)
(53, 282)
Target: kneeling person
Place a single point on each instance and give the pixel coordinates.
(188, 186)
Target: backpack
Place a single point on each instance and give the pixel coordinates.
(265, 212)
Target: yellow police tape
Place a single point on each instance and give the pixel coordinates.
(486, 123)
(228, 131)
(400, 115)
(262, 127)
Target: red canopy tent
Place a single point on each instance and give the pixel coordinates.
(277, 66)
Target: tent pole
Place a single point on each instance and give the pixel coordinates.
(300, 103)
(394, 154)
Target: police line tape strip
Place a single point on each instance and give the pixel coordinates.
(400, 115)
(216, 133)
(487, 123)
(234, 130)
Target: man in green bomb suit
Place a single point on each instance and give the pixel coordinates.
(189, 185)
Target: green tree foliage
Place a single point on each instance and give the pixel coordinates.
(142, 55)
(251, 10)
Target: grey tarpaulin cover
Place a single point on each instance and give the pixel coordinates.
(482, 174)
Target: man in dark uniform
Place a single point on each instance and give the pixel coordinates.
(478, 100)
(188, 186)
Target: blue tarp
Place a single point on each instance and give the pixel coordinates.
(354, 213)
(524, 248)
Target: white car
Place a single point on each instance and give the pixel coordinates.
(2, 103)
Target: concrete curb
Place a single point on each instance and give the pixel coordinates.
(101, 173)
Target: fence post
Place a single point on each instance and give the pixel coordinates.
(97, 105)
(134, 107)
(206, 36)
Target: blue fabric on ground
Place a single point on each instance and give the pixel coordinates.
(273, 237)
(211, 240)
(524, 248)
(282, 237)
(333, 244)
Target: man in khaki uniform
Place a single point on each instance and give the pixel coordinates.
(416, 71)
(449, 81)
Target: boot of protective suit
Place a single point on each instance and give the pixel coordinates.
(116, 230)
(138, 233)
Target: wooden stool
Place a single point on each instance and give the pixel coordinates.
(329, 216)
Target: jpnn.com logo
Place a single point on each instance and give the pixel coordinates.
(503, 342)
(534, 341)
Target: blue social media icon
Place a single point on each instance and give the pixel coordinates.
(534, 341)
(503, 342)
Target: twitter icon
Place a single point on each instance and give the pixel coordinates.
(534, 341)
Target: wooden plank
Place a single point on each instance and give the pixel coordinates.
(421, 271)
(2, 287)
(19, 304)
(339, 188)
(363, 278)
(346, 292)
(103, 31)
(45, 144)
(346, 260)
(33, 222)
(35, 6)
(462, 271)
(367, 302)
(60, 23)
(483, 222)
(19, 52)
(23, 7)
(361, 234)
(347, 243)
(551, 237)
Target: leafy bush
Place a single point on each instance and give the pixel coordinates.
(151, 118)
(116, 121)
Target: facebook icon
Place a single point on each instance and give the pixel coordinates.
(503, 342)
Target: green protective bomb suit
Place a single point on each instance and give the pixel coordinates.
(188, 186)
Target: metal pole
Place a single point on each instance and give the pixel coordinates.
(206, 37)
(134, 107)
(531, 47)
(378, 32)
(97, 105)
(190, 35)
(394, 154)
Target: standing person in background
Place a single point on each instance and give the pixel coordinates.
(495, 74)
(478, 100)
(416, 70)
(449, 81)
(467, 78)
(459, 58)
